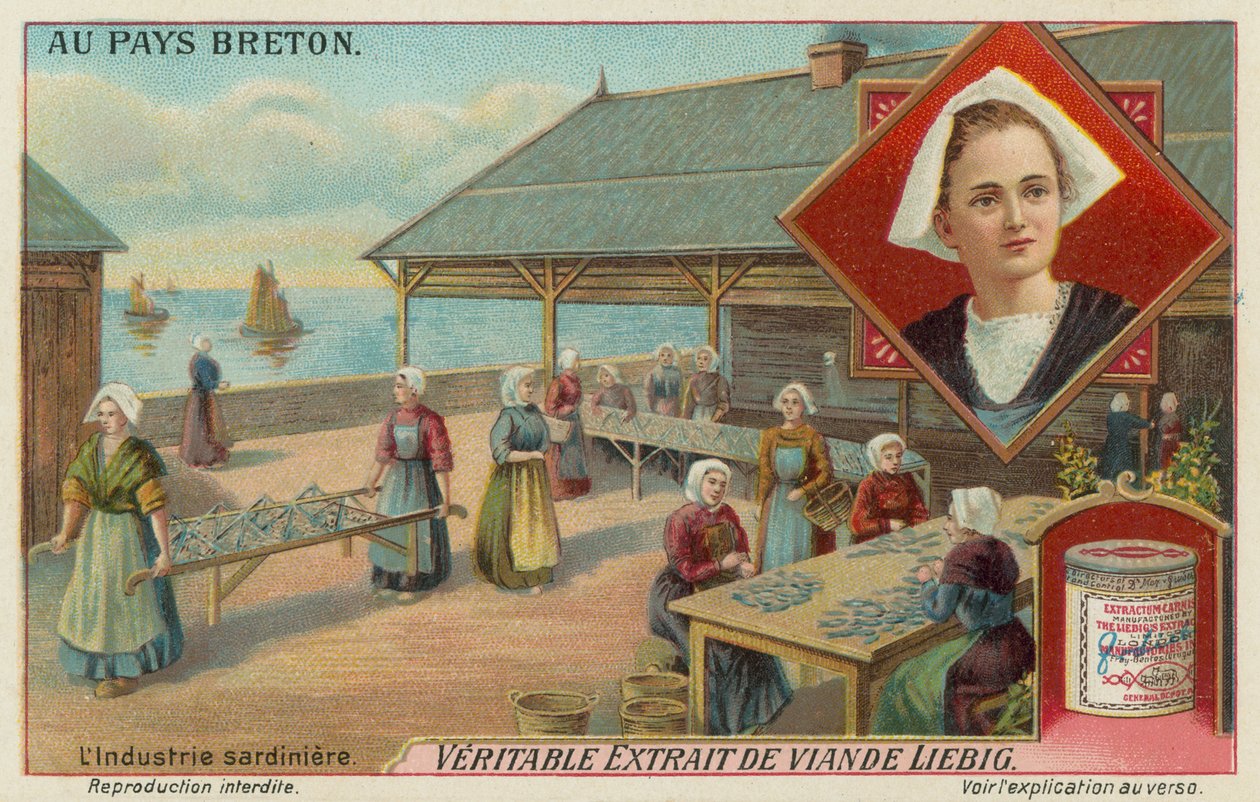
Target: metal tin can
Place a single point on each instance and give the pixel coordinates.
(1131, 628)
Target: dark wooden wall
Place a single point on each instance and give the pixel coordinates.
(773, 345)
(61, 367)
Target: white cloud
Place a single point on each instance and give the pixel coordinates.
(319, 249)
(267, 150)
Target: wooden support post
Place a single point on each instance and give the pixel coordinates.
(548, 322)
(715, 297)
(903, 409)
(213, 598)
(402, 297)
(636, 473)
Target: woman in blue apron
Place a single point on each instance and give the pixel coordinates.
(413, 451)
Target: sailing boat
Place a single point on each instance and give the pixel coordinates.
(142, 309)
(268, 313)
(171, 289)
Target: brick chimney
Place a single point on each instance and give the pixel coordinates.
(833, 63)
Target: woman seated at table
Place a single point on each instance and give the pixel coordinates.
(746, 689)
(887, 500)
(935, 693)
(793, 464)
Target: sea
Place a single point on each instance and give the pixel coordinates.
(352, 331)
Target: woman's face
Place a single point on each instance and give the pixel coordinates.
(713, 488)
(606, 379)
(402, 390)
(525, 389)
(890, 458)
(793, 406)
(665, 357)
(953, 529)
(702, 361)
(1004, 206)
(112, 420)
(577, 363)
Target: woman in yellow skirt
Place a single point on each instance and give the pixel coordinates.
(517, 542)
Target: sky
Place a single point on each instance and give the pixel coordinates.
(206, 164)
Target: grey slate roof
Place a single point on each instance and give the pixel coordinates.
(708, 168)
(54, 220)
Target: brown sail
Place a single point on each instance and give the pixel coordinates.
(268, 311)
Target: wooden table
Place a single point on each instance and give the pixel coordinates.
(852, 573)
(648, 435)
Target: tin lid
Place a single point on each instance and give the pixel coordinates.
(1129, 556)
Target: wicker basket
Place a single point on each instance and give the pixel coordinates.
(649, 717)
(558, 430)
(829, 508)
(655, 683)
(552, 712)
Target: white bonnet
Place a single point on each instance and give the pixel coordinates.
(122, 395)
(414, 377)
(877, 444)
(696, 475)
(1093, 173)
(807, 398)
(976, 508)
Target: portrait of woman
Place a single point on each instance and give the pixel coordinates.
(413, 452)
(663, 385)
(517, 542)
(793, 465)
(1170, 430)
(887, 500)
(205, 442)
(1119, 454)
(998, 175)
(746, 689)
(566, 462)
(708, 393)
(935, 693)
(115, 507)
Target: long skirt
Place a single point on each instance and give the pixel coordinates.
(744, 688)
(787, 536)
(105, 633)
(411, 485)
(203, 444)
(933, 694)
(566, 464)
(517, 542)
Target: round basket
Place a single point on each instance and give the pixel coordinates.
(655, 683)
(829, 508)
(648, 717)
(552, 712)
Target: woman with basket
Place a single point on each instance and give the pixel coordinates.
(793, 468)
(566, 459)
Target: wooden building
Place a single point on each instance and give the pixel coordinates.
(63, 247)
(670, 196)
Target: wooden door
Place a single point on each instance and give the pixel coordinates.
(61, 358)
